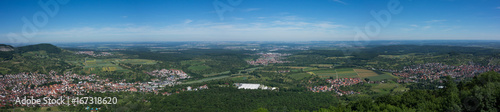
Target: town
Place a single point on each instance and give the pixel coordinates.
(268, 58)
(54, 85)
(435, 71)
(335, 84)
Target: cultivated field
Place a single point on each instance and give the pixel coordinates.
(385, 88)
(363, 73)
(322, 65)
(207, 79)
(352, 73)
(214, 74)
(381, 77)
(299, 76)
(342, 73)
(136, 61)
(109, 65)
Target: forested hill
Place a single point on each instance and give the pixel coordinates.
(6, 51)
(404, 49)
(49, 48)
(480, 94)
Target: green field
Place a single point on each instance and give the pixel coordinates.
(207, 79)
(322, 65)
(214, 74)
(298, 68)
(348, 73)
(136, 61)
(385, 88)
(193, 62)
(342, 73)
(238, 78)
(398, 56)
(96, 65)
(198, 67)
(299, 76)
(381, 77)
(345, 57)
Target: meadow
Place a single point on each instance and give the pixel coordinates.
(299, 76)
(108, 65)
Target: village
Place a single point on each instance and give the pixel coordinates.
(335, 84)
(268, 58)
(435, 71)
(54, 85)
(92, 53)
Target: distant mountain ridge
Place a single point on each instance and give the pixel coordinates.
(7, 51)
(49, 48)
(4, 47)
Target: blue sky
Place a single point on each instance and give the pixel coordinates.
(250, 20)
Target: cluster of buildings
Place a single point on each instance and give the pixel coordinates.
(171, 74)
(189, 88)
(68, 84)
(253, 86)
(283, 71)
(267, 58)
(434, 71)
(331, 88)
(335, 84)
(343, 81)
(92, 53)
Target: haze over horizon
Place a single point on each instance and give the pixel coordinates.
(249, 20)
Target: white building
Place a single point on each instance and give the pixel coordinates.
(248, 86)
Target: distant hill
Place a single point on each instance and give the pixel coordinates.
(404, 49)
(6, 52)
(5, 48)
(49, 48)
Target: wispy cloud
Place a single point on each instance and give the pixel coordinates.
(124, 16)
(274, 30)
(237, 18)
(435, 21)
(407, 29)
(414, 25)
(498, 7)
(261, 17)
(426, 27)
(251, 9)
(338, 1)
(187, 21)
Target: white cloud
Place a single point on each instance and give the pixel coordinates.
(289, 18)
(414, 25)
(187, 21)
(208, 31)
(275, 28)
(435, 21)
(327, 25)
(426, 27)
(261, 17)
(498, 7)
(237, 18)
(124, 16)
(338, 1)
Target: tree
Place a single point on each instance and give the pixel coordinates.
(261, 110)
(452, 99)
